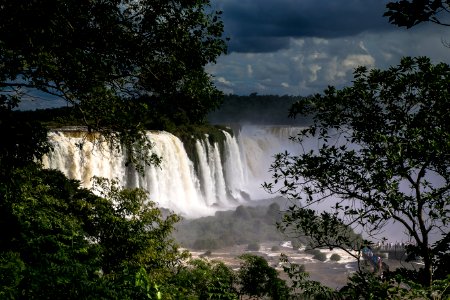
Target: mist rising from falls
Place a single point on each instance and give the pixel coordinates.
(223, 178)
(258, 145)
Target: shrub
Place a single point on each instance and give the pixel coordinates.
(317, 254)
(275, 248)
(253, 247)
(320, 256)
(335, 257)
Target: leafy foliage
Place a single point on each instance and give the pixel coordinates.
(410, 13)
(442, 258)
(324, 229)
(368, 286)
(202, 279)
(300, 286)
(76, 244)
(258, 279)
(117, 63)
(23, 141)
(383, 155)
(118, 48)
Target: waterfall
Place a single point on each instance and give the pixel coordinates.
(223, 178)
(258, 146)
(211, 173)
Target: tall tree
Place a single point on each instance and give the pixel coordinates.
(410, 13)
(382, 156)
(117, 62)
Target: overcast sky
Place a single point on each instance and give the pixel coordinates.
(299, 47)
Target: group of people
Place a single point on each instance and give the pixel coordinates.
(386, 246)
(376, 261)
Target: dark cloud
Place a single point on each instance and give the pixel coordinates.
(267, 25)
(308, 65)
(257, 44)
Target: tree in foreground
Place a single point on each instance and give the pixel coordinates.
(411, 13)
(203, 279)
(65, 242)
(118, 63)
(257, 279)
(382, 156)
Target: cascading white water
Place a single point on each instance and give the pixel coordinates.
(220, 182)
(173, 184)
(234, 169)
(258, 145)
(211, 173)
(208, 187)
(81, 156)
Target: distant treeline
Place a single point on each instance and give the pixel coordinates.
(50, 117)
(254, 109)
(257, 109)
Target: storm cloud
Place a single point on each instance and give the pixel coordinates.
(268, 25)
(299, 47)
